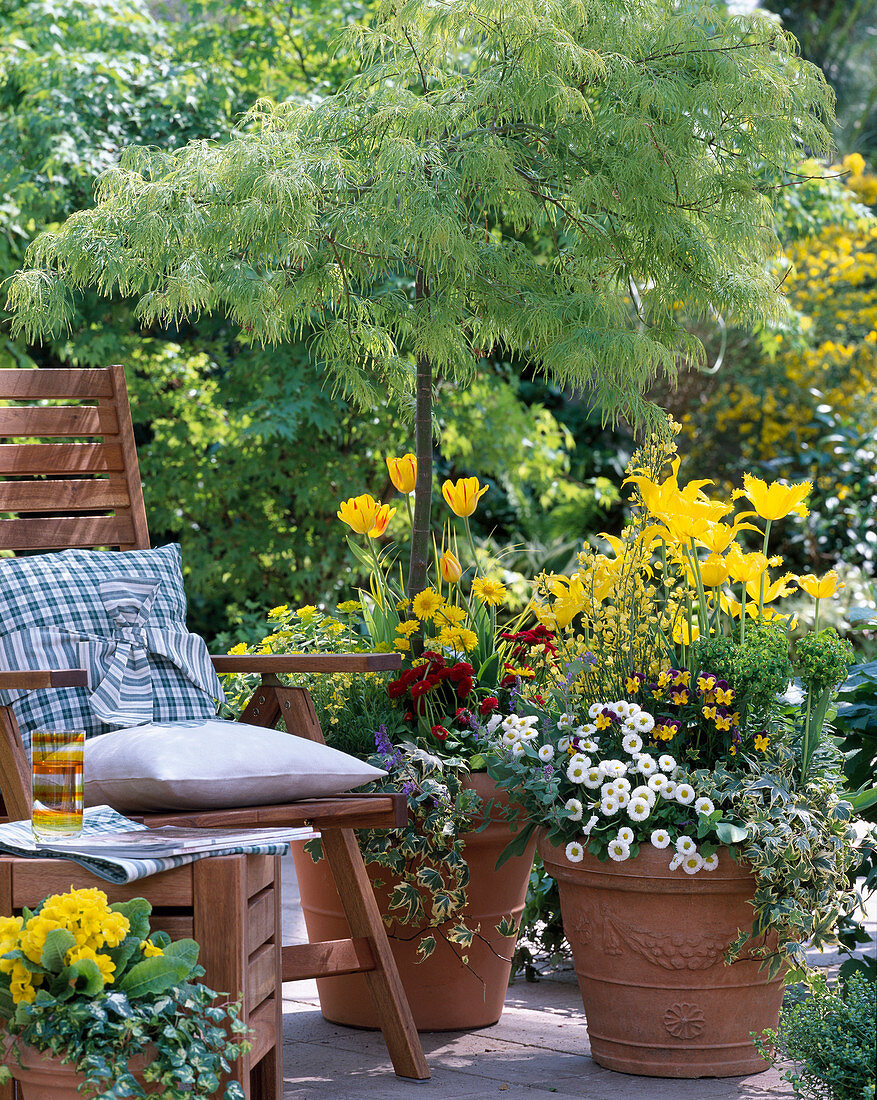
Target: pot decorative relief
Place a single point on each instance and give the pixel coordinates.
(649, 945)
(443, 994)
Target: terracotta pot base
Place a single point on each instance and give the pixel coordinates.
(648, 945)
(42, 1077)
(443, 994)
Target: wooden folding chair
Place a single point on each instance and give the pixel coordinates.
(82, 490)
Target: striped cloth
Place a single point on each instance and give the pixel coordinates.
(121, 615)
(16, 839)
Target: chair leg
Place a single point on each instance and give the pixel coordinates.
(361, 909)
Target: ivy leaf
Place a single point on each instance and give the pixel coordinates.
(731, 834)
(425, 948)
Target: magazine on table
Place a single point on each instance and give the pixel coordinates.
(169, 840)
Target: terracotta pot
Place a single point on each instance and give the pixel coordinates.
(648, 945)
(42, 1077)
(444, 995)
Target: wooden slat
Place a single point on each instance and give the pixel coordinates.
(308, 662)
(34, 879)
(60, 458)
(58, 420)
(260, 873)
(7, 1092)
(320, 960)
(62, 496)
(32, 680)
(15, 781)
(129, 451)
(179, 926)
(61, 534)
(260, 920)
(264, 1023)
(363, 811)
(261, 978)
(22, 384)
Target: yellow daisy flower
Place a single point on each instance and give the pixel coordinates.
(426, 603)
(489, 592)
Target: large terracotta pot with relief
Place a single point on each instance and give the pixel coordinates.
(444, 995)
(648, 945)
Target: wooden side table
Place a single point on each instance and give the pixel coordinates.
(229, 904)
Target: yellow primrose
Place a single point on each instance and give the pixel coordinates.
(462, 497)
(821, 588)
(774, 501)
(403, 472)
(149, 949)
(449, 567)
(360, 513)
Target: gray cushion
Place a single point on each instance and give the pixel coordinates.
(213, 765)
(119, 614)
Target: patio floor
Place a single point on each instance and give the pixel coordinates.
(539, 1049)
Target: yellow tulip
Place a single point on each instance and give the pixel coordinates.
(450, 568)
(403, 472)
(776, 590)
(462, 498)
(774, 501)
(821, 588)
(714, 571)
(384, 514)
(717, 537)
(360, 513)
(744, 568)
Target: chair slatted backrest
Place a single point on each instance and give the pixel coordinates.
(69, 476)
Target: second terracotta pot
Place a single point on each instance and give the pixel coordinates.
(649, 945)
(444, 995)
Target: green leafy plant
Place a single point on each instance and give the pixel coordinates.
(830, 1038)
(89, 983)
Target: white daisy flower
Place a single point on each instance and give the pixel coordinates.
(685, 845)
(576, 773)
(621, 708)
(622, 784)
(660, 838)
(646, 765)
(692, 864)
(625, 835)
(587, 730)
(566, 721)
(628, 726)
(593, 778)
(657, 782)
(594, 709)
(510, 723)
(588, 745)
(669, 789)
(619, 768)
(622, 798)
(703, 805)
(518, 749)
(638, 809)
(608, 807)
(618, 851)
(711, 862)
(676, 861)
(546, 753)
(564, 744)
(632, 743)
(509, 738)
(575, 853)
(528, 734)
(666, 763)
(493, 722)
(592, 821)
(574, 807)
(580, 758)
(643, 722)
(644, 793)
(684, 793)
(608, 790)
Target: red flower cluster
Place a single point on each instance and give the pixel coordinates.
(538, 637)
(420, 681)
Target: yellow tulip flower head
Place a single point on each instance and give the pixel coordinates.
(772, 591)
(775, 501)
(462, 497)
(403, 472)
(450, 568)
(714, 571)
(821, 588)
(384, 514)
(360, 513)
(744, 568)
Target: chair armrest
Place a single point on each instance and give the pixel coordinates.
(308, 662)
(32, 679)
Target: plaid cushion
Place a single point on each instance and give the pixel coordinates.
(119, 614)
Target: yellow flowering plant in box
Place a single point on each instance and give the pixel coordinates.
(90, 983)
(682, 620)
